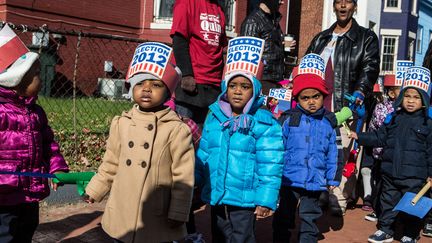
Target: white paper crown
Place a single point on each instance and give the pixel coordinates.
(418, 77)
(312, 64)
(244, 55)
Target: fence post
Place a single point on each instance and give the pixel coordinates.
(74, 97)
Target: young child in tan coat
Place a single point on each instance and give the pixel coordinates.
(149, 161)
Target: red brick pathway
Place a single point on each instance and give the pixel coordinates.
(80, 223)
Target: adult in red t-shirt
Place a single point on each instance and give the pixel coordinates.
(198, 33)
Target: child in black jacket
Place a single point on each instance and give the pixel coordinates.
(407, 159)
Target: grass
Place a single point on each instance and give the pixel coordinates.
(83, 149)
(94, 114)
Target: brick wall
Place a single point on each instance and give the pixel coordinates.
(305, 21)
(120, 17)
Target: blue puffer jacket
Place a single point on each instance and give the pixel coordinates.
(310, 150)
(240, 159)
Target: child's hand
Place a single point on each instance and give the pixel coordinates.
(53, 185)
(188, 84)
(174, 223)
(262, 212)
(88, 199)
(353, 135)
(331, 188)
(429, 179)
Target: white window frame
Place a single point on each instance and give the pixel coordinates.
(231, 33)
(158, 23)
(419, 39)
(414, 8)
(411, 44)
(396, 46)
(167, 23)
(397, 9)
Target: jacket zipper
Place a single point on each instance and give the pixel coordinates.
(307, 156)
(32, 142)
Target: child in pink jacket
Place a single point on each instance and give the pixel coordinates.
(26, 142)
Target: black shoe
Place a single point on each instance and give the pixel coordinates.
(371, 217)
(427, 230)
(380, 236)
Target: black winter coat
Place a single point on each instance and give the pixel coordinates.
(357, 60)
(262, 25)
(407, 143)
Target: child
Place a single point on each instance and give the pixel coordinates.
(239, 160)
(406, 139)
(27, 142)
(382, 109)
(310, 159)
(149, 162)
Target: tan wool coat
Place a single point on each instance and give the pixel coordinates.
(148, 168)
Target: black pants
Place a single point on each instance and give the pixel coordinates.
(19, 222)
(309, 212)
(232, 224)
(377, 186)
(392, 191)
(195, 106)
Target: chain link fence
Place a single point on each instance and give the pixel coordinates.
(83, 86)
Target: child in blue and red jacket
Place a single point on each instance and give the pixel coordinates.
(310, 159)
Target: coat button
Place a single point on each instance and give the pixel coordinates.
(128, 162)
(150, 127)
(146, 145)
(143, 164)
(131, 144)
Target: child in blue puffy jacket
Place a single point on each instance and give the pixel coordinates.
(239, 160)
(310, 159)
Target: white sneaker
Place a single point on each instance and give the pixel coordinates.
(407, 239)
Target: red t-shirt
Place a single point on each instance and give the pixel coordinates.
(203, 23)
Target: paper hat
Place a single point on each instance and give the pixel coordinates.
(310, 74)
(312, 64)
(244, 55)
(378, 86)
(418, 78)
(152, 60)
(401, 67)
(15, 58)
(390, 80)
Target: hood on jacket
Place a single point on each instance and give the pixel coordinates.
(252, 105)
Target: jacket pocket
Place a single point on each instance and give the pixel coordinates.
(9, 183)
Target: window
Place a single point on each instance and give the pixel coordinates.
(163, 11)
(388, 55)
(419, 40)
(414, 7)
(163, 14)
(411, 43)
(229, 9)
(392, 4)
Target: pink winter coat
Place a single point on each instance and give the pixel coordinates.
(26, 145)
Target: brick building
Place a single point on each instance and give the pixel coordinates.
(144, 19)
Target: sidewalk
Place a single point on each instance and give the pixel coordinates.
(80, 223)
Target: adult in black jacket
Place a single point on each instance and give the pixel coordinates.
(263, 23)
(355, 59)
(353, 52)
